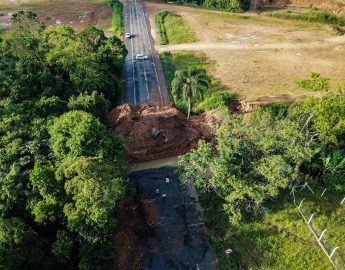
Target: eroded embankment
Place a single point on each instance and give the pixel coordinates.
(153, 132)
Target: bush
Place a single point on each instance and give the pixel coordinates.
(159, 20)
(167, 67)
(315, 83)
(117, 16)
(217, 100)
(312, 16)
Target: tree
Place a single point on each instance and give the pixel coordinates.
(189, 84)
(78, 133)
(95, 104)
(20, 247)
(93, 189)
(251, 162)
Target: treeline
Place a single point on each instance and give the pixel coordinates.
(253, 160)
(226, 5)
(60, 167)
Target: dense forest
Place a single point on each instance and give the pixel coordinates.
(60, 167)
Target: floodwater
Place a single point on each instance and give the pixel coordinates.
(157, 163)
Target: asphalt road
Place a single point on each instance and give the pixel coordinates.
(145, 81)
(177, 238)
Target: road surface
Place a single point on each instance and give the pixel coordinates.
(176, 237)
(145, 81)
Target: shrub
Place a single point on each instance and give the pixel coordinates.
(159, 20)
(315, 83)
(217, 100)
(312, 16)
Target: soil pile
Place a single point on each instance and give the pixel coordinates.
(153, 132)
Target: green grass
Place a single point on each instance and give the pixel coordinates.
(216, 95)
(117, 17)
(172, 29)
(279, 239)
(319, 16)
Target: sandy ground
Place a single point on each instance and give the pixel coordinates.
(78, 13)
(261, 57)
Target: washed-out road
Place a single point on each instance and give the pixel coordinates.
(145, 80)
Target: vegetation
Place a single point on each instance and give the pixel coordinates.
(315, 83)
(214, 96)
(172, 29)
(255, 162)
(315, 15)
(231, 6)
(188, 85)
(60, 168)
(117, 17)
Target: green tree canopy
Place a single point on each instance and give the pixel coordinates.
(93, 190)
(188, 85)
(78, 133)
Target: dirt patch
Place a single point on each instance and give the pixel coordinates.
(153, 132)
(129, 249)
(77, 14)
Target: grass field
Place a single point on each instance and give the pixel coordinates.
(173, 29)
(258, 56)
(215, 96)
(280, 239)
(78, 13)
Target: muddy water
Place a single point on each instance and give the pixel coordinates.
(158, 163)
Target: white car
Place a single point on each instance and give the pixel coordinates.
(128, 35)
(141, 56)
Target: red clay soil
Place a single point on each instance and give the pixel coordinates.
(153, 132)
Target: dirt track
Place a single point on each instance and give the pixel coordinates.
(202, 46)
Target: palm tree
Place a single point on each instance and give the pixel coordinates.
(189, 84)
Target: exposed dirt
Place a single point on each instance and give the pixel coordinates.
(162, 232)
(77, 14)
(153, 132)
(129, 249)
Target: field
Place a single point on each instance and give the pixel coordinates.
(259, 56)
(74, 13)
(173, 29)
(280, 239)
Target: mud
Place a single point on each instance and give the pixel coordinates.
(172, 234)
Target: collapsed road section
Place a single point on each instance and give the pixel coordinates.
(172, 234)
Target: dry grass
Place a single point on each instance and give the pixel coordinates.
(66, 11)
(258, 56)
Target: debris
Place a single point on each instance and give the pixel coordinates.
(167, 180)
(229, 251)
(164, 195)
(157, 191)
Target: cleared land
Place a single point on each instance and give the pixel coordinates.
(258, 56)
(78, 13)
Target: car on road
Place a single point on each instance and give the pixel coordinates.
(128, 35)
(141, 56)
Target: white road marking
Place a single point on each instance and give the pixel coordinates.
(154, 65)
